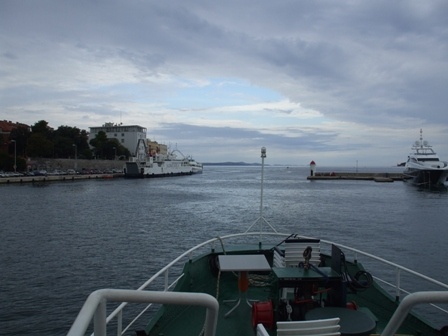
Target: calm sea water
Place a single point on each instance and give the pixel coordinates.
(64, 240)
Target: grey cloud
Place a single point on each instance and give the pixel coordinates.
(368, 63)
(311, 139)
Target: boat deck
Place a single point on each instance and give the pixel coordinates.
(203, 275)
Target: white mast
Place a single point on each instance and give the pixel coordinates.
(261, 219)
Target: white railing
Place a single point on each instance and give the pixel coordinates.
(397, 269)
(95, 306)
(164, 272)
(407, 304)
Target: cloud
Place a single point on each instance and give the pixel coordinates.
(340, 81)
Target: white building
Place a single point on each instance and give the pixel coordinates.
(128, 136)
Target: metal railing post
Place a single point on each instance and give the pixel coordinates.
(406, 306)
(120, 323)
(166, 279)
(99, 326)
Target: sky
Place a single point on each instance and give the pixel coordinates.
(342, 83)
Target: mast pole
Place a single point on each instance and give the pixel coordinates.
(261, 218)
(263, 156)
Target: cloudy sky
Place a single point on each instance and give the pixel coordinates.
(337, 82)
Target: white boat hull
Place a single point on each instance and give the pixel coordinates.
(429, 177)
(155, 169)
(424, 166)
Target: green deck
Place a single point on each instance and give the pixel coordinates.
(201, 277)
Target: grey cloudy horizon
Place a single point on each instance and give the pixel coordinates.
(334, 82)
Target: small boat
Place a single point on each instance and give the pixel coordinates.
(268, 283)
(424, 166)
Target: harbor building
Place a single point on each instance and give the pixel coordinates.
(6, 127)
(128, 135)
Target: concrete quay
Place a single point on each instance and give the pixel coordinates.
(377, 177)
(39, 180)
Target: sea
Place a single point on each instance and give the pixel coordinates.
(61, 241)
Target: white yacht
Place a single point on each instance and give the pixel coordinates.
(424, 166)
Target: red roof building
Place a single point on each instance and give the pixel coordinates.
(6, 128)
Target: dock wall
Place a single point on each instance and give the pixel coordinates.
(378, 177)
(39, 180)
(79, 164)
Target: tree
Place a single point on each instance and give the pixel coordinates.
(65, 137)
(83, 144)
(20, 134)
(39, 146)
(43, 128)
(40, 143)
(105, 148)
(114, 150)
(99, 144)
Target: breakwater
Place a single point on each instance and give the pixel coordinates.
(377, 177)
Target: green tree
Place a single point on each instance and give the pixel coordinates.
(39, 146)
(99, 144)
(109, 149)
(114, 150)
(40, 143)
(43, 128)
(122, 152)
(66, 137)
(83, 145)
(21, 135)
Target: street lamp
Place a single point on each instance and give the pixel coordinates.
(76, 156)
(115, 153)
(15, 156)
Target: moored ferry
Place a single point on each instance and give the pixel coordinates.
(159, 165)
